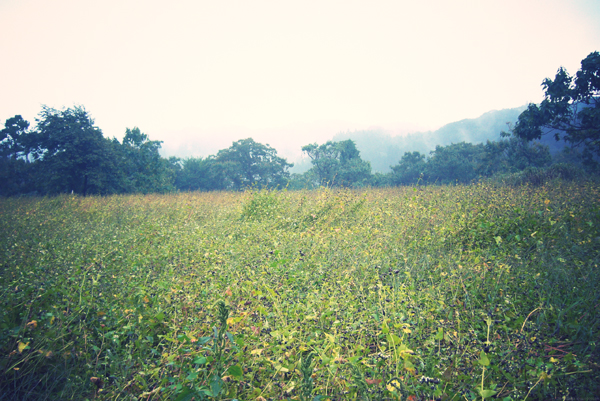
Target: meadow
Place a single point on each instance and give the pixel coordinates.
(416, 293)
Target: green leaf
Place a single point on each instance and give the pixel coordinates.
(204, 340)
(216, 385)
(186, 394)
(483, 359)
(200, 360)
(394, 339)
(486, 393)
(192, 376)
(236, 371)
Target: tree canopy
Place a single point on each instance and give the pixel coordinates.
(67, 153)
(570, 109)
(143, 168)
(74, 156)
(338, 164)
(247, 164)
(16, 171)
(409, 170)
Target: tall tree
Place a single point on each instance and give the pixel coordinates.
(144, 169)
(570, 109)
(198, 174)
(73, 155)
(512, 154)
(458, 162)
(409, 170)
(15, 138)
(338, 164)
(251, 164)
(16, 171)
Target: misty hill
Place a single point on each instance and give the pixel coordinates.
(384, 150)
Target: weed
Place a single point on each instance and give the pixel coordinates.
(449, 292)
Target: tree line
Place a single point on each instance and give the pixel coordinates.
(67, 153)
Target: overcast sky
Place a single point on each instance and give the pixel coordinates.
(201, 74)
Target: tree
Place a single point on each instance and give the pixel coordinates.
(511, 155)
(16, 171)
(570, 109)
(381, 180)
(251, 164)
(458, 162)
(338, 164)
(72, 153)
(145, 170)
(325, 161)
(409, 170)
(198, 174)
(15, 138)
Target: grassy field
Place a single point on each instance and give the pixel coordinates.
(451, 293)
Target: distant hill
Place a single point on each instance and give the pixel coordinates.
(384, 150)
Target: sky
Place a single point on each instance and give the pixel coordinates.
(199, 75)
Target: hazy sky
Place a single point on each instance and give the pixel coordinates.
(200, 74)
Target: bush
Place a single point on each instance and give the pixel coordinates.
(536, 176)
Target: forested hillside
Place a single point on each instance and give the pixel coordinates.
(382, 150)
(67, 153)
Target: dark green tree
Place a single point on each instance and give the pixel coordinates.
(338, 164)
(144, 169)
(381, 180)
(73, 155)
(198, 174)
(455, 163)
(306, 180)
(15, 138)
(512, 154)
(16, 169)
(409, 170)
(570, 109)
(248, 164)
(325, 161)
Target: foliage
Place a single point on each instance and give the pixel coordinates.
(306, 180)
(451, 292)
(68, 153)
(261, 205)
(338, 164)
(535, 176)
(198, 174)
(570, 109)
(16, 171)
(14, 138)
(144, 169)
(464, 162)
(380, 180)
(512, 154)
(454, 163)
(73, 155)
(409, 170)
(247, 164)
(382, 150)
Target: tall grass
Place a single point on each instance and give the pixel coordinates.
(462, 292)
